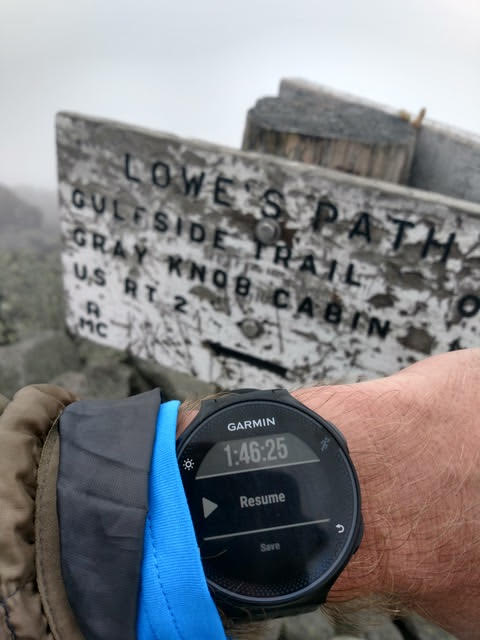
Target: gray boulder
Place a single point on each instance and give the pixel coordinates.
(308, 626)
(414, 626)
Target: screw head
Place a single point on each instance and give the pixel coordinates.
(267, 231)
(251, 328)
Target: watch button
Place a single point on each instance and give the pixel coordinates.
(359, 538)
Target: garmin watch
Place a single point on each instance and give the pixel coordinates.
(274, 500)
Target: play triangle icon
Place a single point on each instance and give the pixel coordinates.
(208, 507)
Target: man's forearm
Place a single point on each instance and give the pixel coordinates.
(415, 441)
(348, 407)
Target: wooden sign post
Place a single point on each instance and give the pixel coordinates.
(244, 269)
(346, 136)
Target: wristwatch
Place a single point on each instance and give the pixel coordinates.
(274, 500)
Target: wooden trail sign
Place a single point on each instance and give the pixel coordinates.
(245, 269)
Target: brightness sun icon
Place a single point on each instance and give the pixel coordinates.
(188, 464)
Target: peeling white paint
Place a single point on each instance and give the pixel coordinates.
(418, 297)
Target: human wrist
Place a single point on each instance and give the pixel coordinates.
(414, 439)
(350, 409)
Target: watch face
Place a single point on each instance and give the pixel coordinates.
(273, 497)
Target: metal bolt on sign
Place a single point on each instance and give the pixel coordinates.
(251, 328)
(267, 231)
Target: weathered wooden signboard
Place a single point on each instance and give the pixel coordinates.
(245, 269)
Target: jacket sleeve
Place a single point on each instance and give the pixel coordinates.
(25, 423)
(102, 500)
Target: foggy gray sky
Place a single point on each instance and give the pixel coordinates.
(194, 68)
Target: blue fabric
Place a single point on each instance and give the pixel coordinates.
(174, 600)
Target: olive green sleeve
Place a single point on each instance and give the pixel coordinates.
(24, 425)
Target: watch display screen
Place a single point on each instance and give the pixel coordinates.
(273, 499)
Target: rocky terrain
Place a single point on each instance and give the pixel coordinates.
(35, 347)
